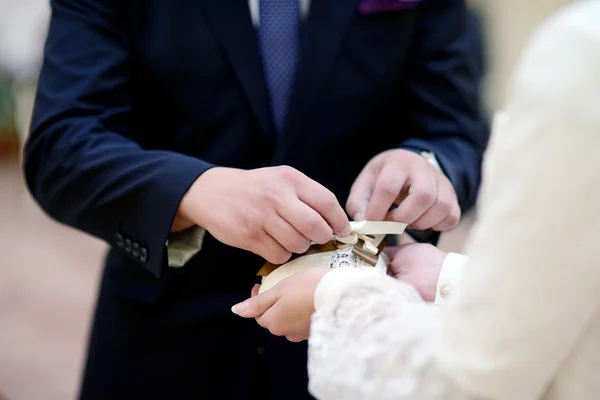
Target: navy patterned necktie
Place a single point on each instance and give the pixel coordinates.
(278, 37)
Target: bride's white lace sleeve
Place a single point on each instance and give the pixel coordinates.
(371, 338)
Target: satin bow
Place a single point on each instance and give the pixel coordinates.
(366, 237)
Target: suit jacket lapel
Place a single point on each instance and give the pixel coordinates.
(231, 22)
(324, 31)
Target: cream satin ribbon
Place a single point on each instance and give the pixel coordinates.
(378, 227)
(371, 232)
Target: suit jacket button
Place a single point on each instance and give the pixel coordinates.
(135, 249)
(143, 255)
(128, 245)
(119, 240)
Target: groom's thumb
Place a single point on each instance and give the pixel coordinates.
(356, 206)
(256, 306)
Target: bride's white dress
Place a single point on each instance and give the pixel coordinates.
(527, 322)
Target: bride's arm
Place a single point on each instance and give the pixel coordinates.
(371, 339)
(532, 280)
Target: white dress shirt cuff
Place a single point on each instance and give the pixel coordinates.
(449, 280)
(184, 245)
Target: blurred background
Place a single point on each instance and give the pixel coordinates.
(49, 273)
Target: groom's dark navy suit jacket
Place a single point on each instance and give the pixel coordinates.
(137, 98)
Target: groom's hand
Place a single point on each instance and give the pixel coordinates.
(419, 265)
(273, 212)
(424, 196)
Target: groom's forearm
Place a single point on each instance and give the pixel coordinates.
(450, 279)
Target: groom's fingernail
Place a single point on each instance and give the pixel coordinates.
(346, 232)
(359, 217)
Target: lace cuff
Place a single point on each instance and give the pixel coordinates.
(336, 282)
(372, 338)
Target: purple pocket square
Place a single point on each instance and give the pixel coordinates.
(380, 6)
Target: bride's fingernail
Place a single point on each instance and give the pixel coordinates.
(239, 308)
(359, 217)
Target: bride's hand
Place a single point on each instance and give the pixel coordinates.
(285, 309)
(419, 265)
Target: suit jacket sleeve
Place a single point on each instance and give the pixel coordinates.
(81, 163)
(441, 96)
